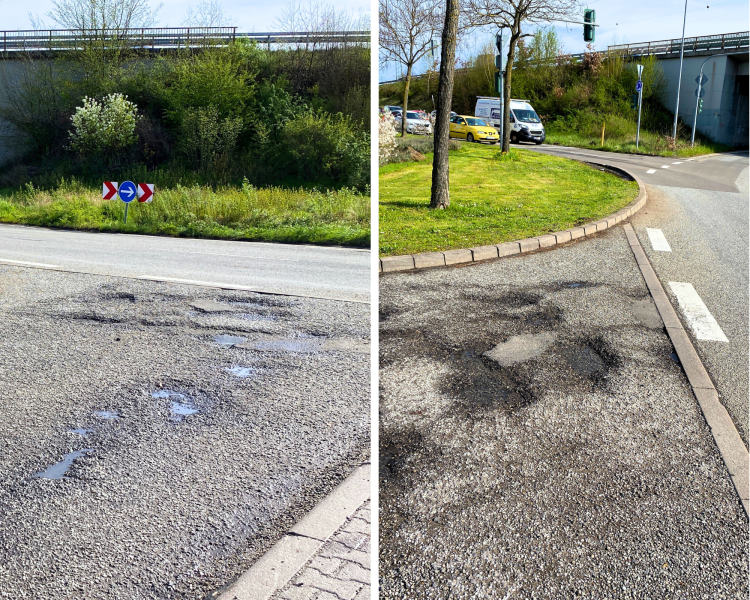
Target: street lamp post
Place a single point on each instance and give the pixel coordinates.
(679, 78)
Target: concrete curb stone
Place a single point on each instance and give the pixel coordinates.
(723, 430)
(282, 562)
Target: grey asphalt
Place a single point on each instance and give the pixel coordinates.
(699, 173)
(706, 224)
(581, 468)
(316, 271)
(212, 420)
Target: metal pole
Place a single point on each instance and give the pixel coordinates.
(126, 211)
(638, 131)
(679, 78)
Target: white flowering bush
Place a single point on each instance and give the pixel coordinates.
(107, 126)
(386, 136)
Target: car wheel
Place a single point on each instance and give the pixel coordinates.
(469, 138)
(539, 143)
(513, 138)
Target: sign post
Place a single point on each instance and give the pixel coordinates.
(639, 89)
(127, 194)
(499, 87)
(699, 93)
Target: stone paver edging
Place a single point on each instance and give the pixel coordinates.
(731, 446)
(410, 262)
(285, 559)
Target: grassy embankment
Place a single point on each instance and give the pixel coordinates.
(494, 198)
(237, 213)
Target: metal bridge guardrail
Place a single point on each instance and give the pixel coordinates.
(704, 43)
(53, 40)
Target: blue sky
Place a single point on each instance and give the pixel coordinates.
(639, 21)
(249, 15)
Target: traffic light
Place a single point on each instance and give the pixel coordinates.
(634, 101)
(499, 62)
(589, 16)
(700, 105)
(499, 82)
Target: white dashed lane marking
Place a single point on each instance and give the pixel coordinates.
(701, 321)
(677, 163)
(22, 263)
(665, 166)
(658, 241)
(651, 171)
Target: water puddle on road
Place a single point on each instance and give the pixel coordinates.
(674, 357)
(58, 470)
(257, 317)
(241, 371)
(301, 345)
(81, 432)
(180, 408)
(228, 340)
(110, 415)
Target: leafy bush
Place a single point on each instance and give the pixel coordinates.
(318, 145)
(207, 141)
(107, 126)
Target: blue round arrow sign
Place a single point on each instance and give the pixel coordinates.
(638, 85)
(127, 191)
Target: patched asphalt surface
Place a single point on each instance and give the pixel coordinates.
(585, 470)
(163, 505)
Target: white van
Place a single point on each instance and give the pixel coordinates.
(525, 124)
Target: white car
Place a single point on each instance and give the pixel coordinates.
(525, 124)
(415, 124)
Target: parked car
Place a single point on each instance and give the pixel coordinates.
(414, 123)
(525, 124)
(434, 112)
(472, 129)
(393, 108)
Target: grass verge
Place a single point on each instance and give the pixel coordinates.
(649, 143)
(235, 213)
(494, 198)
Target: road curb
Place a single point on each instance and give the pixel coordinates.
(281, 563)
(428, 260)
(725, 434)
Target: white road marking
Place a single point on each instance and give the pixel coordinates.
(651, 171)
(701, 320)
(677, 163)
(665, 166)
(658, 241)
(22, 263)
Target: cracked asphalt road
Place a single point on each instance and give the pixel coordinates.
(581, 468)
(166, 504)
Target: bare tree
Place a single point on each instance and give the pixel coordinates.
(512, 14)
(407, 28)
(208, 13)
(103, 15)
(440, 194)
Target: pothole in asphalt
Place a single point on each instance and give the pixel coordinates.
(242, 371)
(645, 311)
(209, 306)
(591, 359)
(229, 340)
(110, 415)
(300, 345)
(520, 348)
(179, 408)
(257, 317)
(59, 469)
(81, 432)
(396, 448)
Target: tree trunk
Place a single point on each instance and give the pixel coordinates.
(406, 100)
(514, 35)
(440, 197)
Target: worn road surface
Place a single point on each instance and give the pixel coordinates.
(316, 271)
(538, 438)
(196, 426)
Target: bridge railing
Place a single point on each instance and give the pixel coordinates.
(704, 43)
(53, 40)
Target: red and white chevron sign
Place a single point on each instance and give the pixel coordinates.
(145, 192)
(109, 190)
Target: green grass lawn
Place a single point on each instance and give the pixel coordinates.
(494, 198)
(237, 213)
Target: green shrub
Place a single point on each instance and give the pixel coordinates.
(207, 141)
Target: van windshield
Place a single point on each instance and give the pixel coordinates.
(526, 116)
(476, 122)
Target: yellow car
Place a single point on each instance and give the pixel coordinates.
(473, 129)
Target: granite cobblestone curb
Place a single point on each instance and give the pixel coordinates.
(428, 260)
